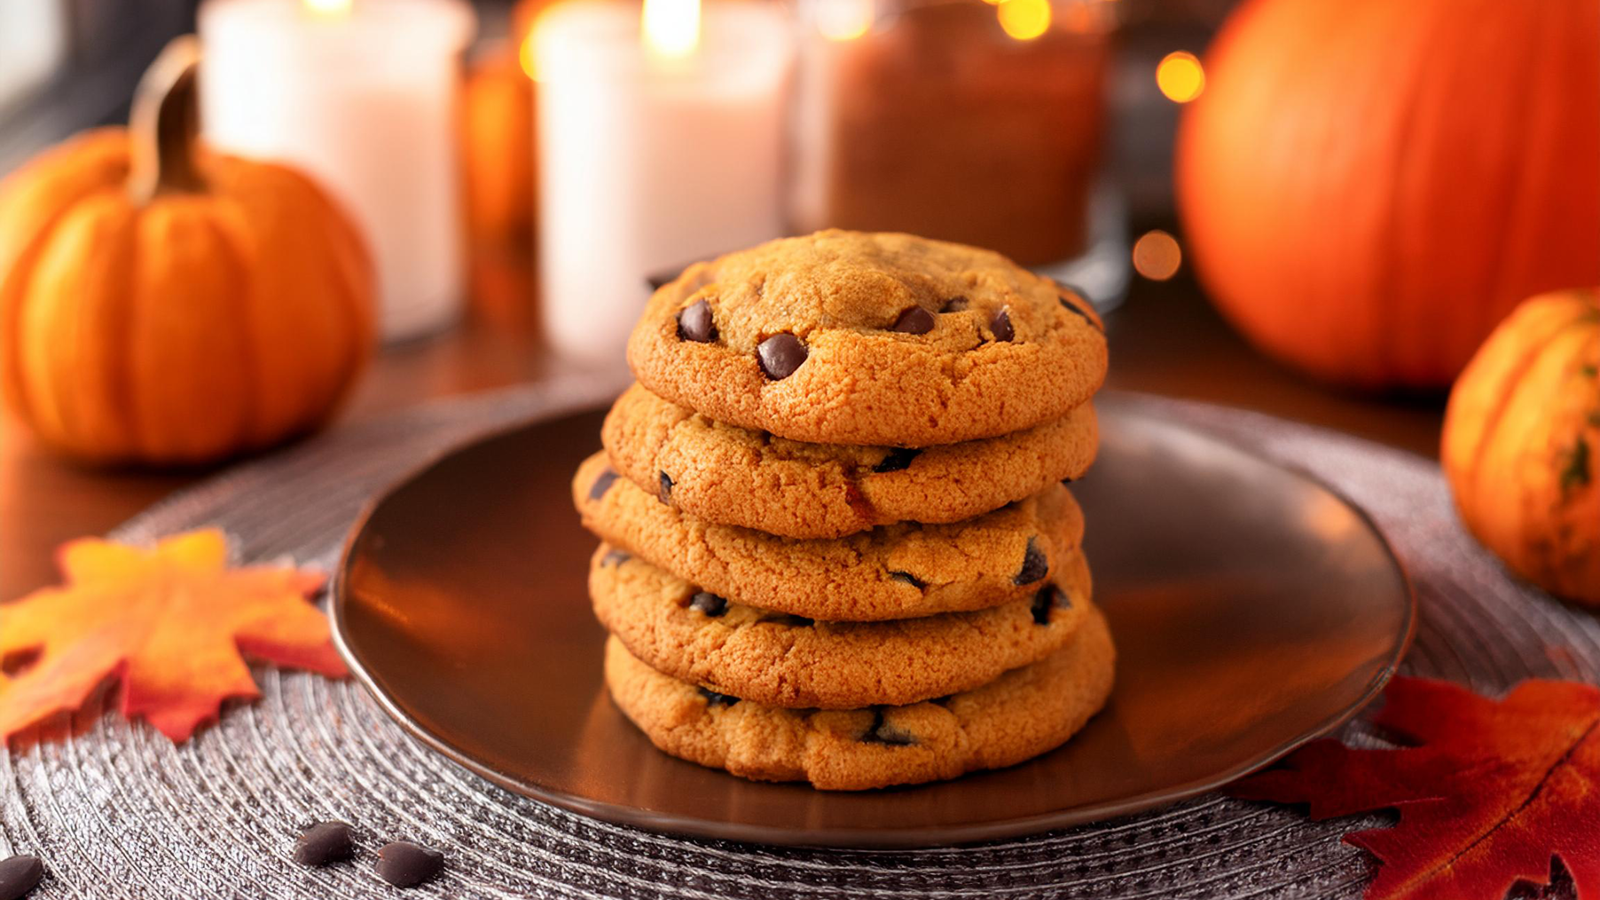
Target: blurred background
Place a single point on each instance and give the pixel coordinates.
(335, 208)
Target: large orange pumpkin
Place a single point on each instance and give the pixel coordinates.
(1368, 186)
(1522, 443)
(162, 305)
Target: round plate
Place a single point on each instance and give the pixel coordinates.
(1253, 610)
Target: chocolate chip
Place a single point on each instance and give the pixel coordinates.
(1049, 597)
(602, 484)
(715, 699)
(915, 320)
(780, 355)
(19, 875)
(954, 304)
(695, 324)
(1002, 325)
(898, 458)
(881, 732)
(1078, 310)
(709, 604)
(614, 558)
(909, 578)
(1035, 565)
(323, 843)
(666, 489)
(404, 864)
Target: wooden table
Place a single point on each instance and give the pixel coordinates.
(1165, 340)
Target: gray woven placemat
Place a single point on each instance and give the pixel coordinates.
(121, 813)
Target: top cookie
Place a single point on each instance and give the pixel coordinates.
(858, 338)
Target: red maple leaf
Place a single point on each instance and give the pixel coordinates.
(170, 624)
(1492, 792)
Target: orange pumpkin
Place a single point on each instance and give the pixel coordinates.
(1368, 186)
(1522, 443)
(162, 305)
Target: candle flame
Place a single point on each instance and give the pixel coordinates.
(844, 20)
(671, 28)
(328, 7)
(1180, 76)
(1024, 20)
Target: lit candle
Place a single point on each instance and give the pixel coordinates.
(363, 96)
(660, 142)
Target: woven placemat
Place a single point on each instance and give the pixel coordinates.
(119, 812)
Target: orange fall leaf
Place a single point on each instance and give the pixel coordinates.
(171, 625)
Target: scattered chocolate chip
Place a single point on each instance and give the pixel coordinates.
(715, 699)
(793, 621)
(898, 458)
(695, 324)
(1078, 310)
(404, 864)
(709, 604)
(1049, 597)
(915, 320)
(954, 304)
(780, 355)
(909, 578)
(666, 489)
(1002, 325)
(1035, 565)
(602, 484)
(615, 558)
(323, 843)
(881, 732)
(19, 875)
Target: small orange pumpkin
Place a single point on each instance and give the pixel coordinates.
(1521, 444)
(163, 305)
(1368, 186)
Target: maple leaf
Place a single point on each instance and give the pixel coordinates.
(170, 624)
(1492, 791)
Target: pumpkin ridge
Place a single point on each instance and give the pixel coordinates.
(244, 263)
(1409, 156)
(1529, 357)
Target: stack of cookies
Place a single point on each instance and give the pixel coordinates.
(836, 542)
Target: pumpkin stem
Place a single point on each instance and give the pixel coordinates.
(165, 123)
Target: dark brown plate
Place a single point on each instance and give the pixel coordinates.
(1253, 610)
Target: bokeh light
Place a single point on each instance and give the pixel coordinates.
(671, 27)
(328, 7)
(1156, 255)
(844, 20)
(1024, 20)
(1180, 76)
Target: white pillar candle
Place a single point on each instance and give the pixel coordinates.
(363, 96)
(655, 151)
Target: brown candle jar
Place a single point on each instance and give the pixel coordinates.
(956, 119)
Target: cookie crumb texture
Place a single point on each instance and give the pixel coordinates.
(784, 660)
(891, 572)
(1022, 714)
(816, 339)
(737, 476)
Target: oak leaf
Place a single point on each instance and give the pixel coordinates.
(1489, 794)
(170, 625)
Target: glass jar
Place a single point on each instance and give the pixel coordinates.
(962, 120)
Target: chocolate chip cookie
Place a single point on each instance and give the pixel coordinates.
(780, 659)
(735, 476)
(860, 338)
(891, 572)
(1019, 715)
